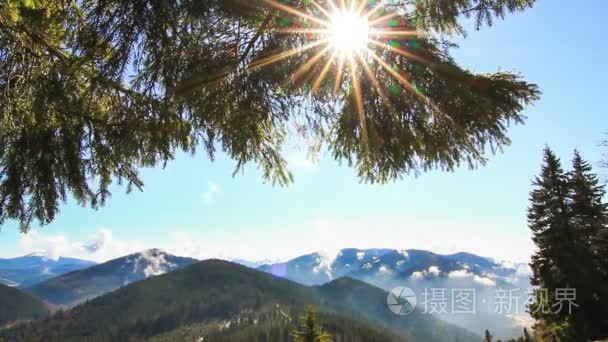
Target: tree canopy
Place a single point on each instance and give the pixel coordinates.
(93, 90)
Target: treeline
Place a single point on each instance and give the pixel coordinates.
(568, 219)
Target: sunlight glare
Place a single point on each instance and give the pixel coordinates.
(348, 32)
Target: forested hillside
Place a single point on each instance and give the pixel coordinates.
(16, 305)
(222, 299)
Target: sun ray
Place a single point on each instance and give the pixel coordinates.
(382, 19)
(283, 55)
(294, 11)
(410, 87)
(375, 9)
(396, 33)
(304, 68)
(322, 9)
(288, 30)
(351, 29)
(333, 6)
(317, 84)
(372, 77)
(359, 101)
(361, 7)
(339, 77)
(402, 52)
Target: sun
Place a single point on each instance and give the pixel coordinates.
(348, 43)
(348, 32)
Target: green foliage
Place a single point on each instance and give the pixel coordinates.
(91, 91)
(442, 15)
(309, 330)
(569, 221)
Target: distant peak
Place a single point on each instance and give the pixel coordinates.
(154, 251)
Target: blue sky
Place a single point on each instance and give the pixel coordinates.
(195, 207)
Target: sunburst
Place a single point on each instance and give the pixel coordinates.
(347, 34)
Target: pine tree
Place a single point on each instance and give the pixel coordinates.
(548, 218)
(309, 330)
(589, 219)
(92, 90)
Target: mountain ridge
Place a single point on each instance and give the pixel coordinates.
(34, 268)
(216, 291)
(78, 286)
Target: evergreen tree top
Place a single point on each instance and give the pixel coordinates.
(309, 330)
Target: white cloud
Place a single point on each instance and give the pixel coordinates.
(465, 274)
(433, 271)
(384, 269)
(99, 247)
(360, 255)
(274, 239)
(213, 190)
(153, 263)
(417, 275)
(101, 239)
(459, 274)
(49, 246)
(325, 261)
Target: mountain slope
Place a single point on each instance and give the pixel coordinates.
(76, 287)
(31, 269)
(215, 297)
(16, 305)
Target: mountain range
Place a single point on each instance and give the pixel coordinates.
(78, 286)
(31, 269)
(423, 271)
(318, 273)
(216, 300)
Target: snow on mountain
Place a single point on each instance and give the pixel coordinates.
(76, 287)
(34, 268)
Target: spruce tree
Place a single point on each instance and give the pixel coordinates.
(569, 219)
(548, 218)
(589, 219)
(93, 90)
(309, 330)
